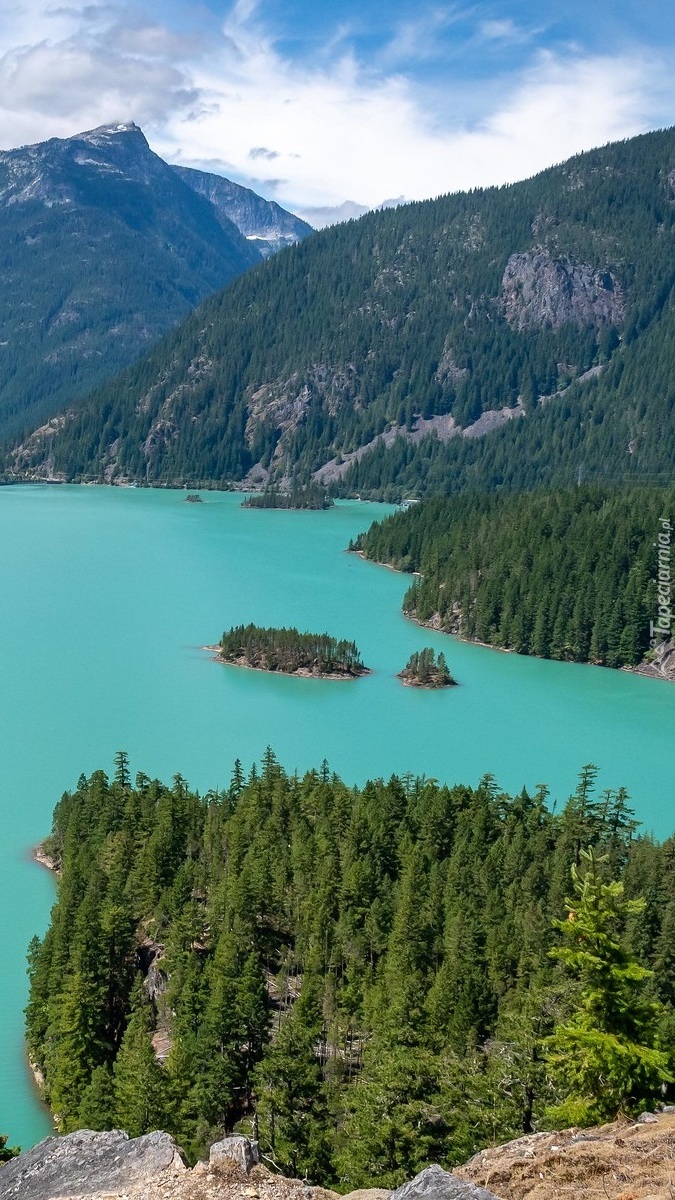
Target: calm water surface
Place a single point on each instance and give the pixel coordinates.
(106, 597)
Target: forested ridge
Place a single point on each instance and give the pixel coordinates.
(569, 574)
(480, 301)
(379, 976)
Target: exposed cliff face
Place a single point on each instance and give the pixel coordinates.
(541, 291)
(269, 226)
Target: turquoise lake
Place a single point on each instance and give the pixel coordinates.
(107, 596)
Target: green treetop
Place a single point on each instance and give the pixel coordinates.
(603, 1057)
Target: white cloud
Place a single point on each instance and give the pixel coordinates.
(363, 137)
(338, 129)
(504, 31)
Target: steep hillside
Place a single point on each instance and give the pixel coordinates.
(263, 222)
(507, 336)
(102, 249)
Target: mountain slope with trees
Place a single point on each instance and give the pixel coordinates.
(564, 574)
(367, 972)
(502, 337)
(103, 248)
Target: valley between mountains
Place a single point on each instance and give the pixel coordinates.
(378, 970)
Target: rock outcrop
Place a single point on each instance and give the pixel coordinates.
(112, 1166)
(237, 1150)
(627, 1160)
(433, 1183)
(662, 664)
(87, 1164)
(541, 291)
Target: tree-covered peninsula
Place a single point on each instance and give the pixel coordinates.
(378, 976)
(426, 669)
(290, 652)
(570, 574)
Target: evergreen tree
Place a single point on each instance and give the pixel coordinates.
(291, 1101)
(7, 1152)
(603, 1057)
(140, 1084)
(98, 1101)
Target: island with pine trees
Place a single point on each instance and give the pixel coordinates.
(425, 669)
(311, 496)
(289, 652)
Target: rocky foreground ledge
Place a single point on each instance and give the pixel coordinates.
(627, 1160)
(112, 1166)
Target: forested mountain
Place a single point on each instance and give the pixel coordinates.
(563, 574)
(367, 970)
(502, 337)
(263, 222)
(103, 248)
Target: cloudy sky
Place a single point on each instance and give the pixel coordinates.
(315, 103)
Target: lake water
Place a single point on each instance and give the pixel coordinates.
(106, 597)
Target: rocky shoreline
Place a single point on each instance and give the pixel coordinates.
(663, 664)
(40, 856)
(301, 673)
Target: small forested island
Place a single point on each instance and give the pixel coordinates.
(301, 496)
(306, 955)
(290, 652)
(193, 498)
(426, 669)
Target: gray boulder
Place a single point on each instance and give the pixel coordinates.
(433, 1183)
(89, 1164)
(235, 1149)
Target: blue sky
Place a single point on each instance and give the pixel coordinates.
(316, 104)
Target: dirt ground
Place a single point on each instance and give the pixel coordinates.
(622, 1161)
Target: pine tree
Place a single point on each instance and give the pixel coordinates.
(7, 1152)
(139, 1082)
(603, 1058)
(291, 1100)
(98, 1101)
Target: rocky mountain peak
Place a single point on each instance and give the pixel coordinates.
(263, 222)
